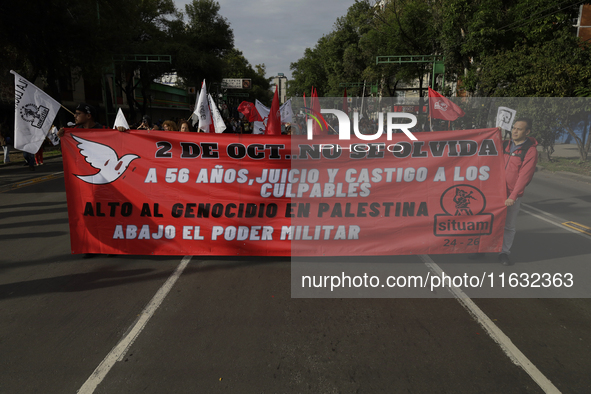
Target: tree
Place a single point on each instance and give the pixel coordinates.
(405, 27)
(473, 31)
(553, 68)
(58, 36)
(65, 39)
(336, 58)
(308, 71)
(204, 42)
(149, 32)
(468, 31)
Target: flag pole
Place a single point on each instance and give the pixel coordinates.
(68, 110)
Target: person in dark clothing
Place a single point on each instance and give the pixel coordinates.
(85, 118)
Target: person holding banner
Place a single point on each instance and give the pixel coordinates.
(169, 125)
(521, 157)
(85, 118)
(146, 123)
(185, 127)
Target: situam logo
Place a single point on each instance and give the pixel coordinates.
(35, 115)
(464, 207)
(345, 124)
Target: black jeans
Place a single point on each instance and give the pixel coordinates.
(29, 159)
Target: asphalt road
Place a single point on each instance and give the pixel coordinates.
(231, 325)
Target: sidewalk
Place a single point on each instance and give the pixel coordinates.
(16, 156)
(568, 151)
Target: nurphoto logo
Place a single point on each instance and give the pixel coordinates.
(345, 124)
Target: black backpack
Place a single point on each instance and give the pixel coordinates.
(524, 148)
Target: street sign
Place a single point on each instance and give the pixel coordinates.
(236, 83)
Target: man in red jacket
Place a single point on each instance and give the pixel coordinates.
(521, 157)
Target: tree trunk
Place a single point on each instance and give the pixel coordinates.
(582, 150)
(587, 135)
(128, 89)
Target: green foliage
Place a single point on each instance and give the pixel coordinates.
(492, 48)
(553, 68)
(56, 35)
(583, 92)
(307, 72)
(205, 40)
(348, 53)
(336, 58)
(84, 35)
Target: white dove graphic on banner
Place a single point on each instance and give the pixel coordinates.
(103, 158)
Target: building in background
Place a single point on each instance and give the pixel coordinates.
(280, 82)
(584, 22)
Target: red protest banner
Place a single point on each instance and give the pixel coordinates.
(190, 193)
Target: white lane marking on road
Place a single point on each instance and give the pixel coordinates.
(555, 220)
(514, 354)
(121, 348)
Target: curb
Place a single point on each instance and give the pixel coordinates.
(20, 162)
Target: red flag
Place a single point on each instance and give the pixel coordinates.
(274, 120)
(249, 111)
(442, 108)
(345, 106)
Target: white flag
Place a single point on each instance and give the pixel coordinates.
(505, 117)
(202, 111)
(262, 109)
(218, 121)
(52, 136)
(286, 112)
(260, 127)
(195, 116)
(34, 113)
(120, 120)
